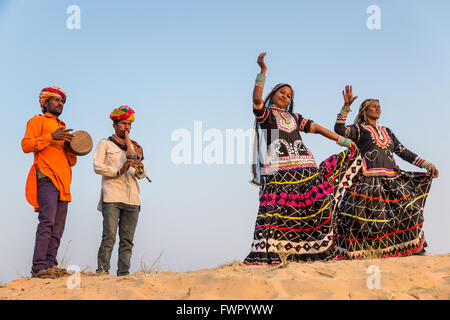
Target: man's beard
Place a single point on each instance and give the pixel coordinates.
(53, 112)
(121, 134)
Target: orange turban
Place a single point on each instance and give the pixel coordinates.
(49, 92)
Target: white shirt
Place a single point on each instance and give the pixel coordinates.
(108, 159)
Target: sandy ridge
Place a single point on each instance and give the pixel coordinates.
(416, 277)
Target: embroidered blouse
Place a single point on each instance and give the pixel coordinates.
(285, 147)
(377, 146)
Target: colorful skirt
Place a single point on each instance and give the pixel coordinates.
(381, 217)
(295, 216)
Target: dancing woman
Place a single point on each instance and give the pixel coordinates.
(381, 214)
(294, 220)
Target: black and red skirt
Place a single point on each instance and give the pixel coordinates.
(295, 218)
(382, 217)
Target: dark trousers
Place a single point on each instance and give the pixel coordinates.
(52, 219)
(116, 214)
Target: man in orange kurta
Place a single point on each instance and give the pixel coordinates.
(48, 183)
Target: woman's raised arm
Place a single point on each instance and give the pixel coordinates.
(260, 80)
(351, 132)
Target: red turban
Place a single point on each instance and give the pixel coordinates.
(122, 113)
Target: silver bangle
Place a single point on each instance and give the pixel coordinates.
(344, 142)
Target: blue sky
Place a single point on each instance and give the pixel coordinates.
(176, 62)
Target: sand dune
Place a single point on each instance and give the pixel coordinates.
(417, 277)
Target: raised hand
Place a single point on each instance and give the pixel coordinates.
(62, 134)
(261, 62)
(434, 172)
(348, 96)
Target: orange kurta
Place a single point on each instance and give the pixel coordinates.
(50, 156)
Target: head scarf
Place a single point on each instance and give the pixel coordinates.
(258, 153)
(49, 92)
(361, 117)
(122, 113)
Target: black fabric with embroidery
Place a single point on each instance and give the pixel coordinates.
(283, 146)
(381, 214)
(377, 146)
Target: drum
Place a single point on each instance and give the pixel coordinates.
(81, 143)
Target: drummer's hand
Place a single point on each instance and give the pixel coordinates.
(62, 134)
(126, 166)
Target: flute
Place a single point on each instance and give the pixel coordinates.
(139, 170)
(132, 155)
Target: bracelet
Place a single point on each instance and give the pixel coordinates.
(345, 111)
(344, 142)
(346, 108)
(260, 80)
(427, 165)
(258, 106)
(259, 84)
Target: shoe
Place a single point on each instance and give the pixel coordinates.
(43, 274)
(100, 272)
(58, 272)
(123, 274)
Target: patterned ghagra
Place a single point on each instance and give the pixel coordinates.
(381, 214)
(295, 216)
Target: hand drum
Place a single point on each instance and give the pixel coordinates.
(81, 143)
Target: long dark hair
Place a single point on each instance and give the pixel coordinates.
(268, 99)
(257, 159)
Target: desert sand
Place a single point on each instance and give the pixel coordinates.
(415, 277)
